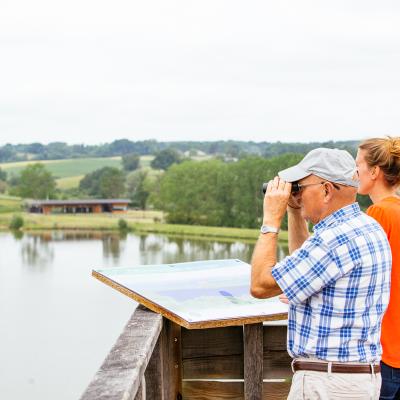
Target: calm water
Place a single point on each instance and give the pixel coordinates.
(57, 323)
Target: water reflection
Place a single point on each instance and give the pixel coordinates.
(113, 244)
(37, 248)
(36, 252)
(183, 249)
(157, 249)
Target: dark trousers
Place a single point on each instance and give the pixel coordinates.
(390, 389)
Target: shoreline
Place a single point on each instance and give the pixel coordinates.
(139, 222)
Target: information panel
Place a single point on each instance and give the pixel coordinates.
(198, 294)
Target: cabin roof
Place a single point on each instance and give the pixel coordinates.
(39, 203)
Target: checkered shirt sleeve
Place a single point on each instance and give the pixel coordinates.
(308, 270)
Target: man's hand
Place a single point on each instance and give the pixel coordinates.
(276, 201)
(294, 203)
(283, 299)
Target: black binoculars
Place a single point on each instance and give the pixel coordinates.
(295, 187)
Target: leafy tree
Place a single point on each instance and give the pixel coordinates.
(190, 193)
(3, 175)
(36, 182)
(3, 186)
(217, 193)
(36, 148)
(130, 161)
(16, 223)
(364, 201)
(106, 182)
(137, 188)
(7, 153)
(122, 225)
(165, 158)
(57, 151)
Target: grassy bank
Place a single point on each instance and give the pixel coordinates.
(138, 221)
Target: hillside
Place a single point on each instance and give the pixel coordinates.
(68, 172)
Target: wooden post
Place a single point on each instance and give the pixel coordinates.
(172, 360)
(253, 361)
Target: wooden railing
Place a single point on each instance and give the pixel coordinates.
(156, 359)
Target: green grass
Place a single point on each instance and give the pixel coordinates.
(203, 231)
(9, 204)
(145, 161)
(69, 182)
(66, 168)
(138, 221)
(80, 221)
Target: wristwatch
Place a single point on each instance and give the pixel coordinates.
(269, 229)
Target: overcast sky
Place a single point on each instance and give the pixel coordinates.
(92, 71)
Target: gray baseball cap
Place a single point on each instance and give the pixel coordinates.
(334, 165)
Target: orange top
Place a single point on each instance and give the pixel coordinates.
(387, 213)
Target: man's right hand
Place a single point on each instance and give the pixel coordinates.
(294, 203)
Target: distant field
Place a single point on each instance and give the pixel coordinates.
(69, 182)
(66, 168)
(9, 204)
(145, 161)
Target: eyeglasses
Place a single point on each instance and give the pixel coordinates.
(297, 187)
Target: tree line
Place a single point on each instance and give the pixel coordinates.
(212, 192)
(230, 148)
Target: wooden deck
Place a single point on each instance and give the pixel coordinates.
(154, 358)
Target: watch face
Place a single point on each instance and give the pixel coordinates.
(264, 229)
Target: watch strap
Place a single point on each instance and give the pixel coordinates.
(268, 229)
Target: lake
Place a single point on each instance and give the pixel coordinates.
(57, 323)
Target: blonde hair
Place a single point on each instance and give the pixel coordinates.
(385, 153)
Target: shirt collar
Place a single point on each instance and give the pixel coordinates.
(338, 216)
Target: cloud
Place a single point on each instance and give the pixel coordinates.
(95, 71)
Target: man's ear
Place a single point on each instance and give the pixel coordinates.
(328, 187)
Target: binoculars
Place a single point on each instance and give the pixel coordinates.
(295, 187)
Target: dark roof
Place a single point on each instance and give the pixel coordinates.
(39, 203)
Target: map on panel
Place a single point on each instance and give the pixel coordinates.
(193, 291)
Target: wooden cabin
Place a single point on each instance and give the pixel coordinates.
(85, 206)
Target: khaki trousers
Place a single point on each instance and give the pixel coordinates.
(313, 385)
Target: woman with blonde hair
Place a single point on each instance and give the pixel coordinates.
(378, 165)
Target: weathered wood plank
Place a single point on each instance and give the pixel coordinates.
(276, 365)
(120, 375)
(213, 353)
(172, 360)
(276, 359)
(274, 337)
(218, 353)
(220, 367)
(141, 392)
(154, 374)
(253, 361)
(212, 342)
(206, 390)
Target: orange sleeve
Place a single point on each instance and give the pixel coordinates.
(378, 213)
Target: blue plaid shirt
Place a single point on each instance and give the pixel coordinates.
(337, 284)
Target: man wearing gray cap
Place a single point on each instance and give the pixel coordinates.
(336, 281)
